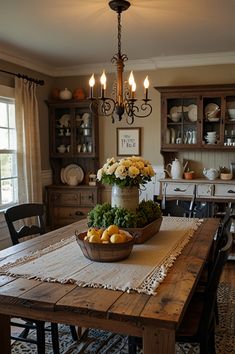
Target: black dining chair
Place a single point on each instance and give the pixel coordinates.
(198, 323)
(25, 220)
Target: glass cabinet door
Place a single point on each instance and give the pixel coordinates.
(212, 121)
(182, 121)
(229, 127)
(84, 137)
(62, 131)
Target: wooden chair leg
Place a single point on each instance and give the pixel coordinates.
(55, 338)
(41, 337)
(74, 333)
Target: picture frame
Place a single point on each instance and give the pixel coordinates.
(128, 141)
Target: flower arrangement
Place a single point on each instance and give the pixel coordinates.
(126, 172)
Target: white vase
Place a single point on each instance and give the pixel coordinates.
(65, 94)
(125, 197)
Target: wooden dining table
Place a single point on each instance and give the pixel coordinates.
(155, 318)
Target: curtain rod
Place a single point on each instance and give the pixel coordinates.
(25, 77)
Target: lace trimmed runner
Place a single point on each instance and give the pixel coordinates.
(143, 271)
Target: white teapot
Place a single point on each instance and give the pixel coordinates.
(176, 169)
(211, 173)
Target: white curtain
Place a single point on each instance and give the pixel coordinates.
(28, 142)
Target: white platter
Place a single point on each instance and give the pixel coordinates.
(71, 171)
(62, 175)
(65, 120)
(213, 119)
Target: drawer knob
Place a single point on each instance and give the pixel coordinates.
(179, 190)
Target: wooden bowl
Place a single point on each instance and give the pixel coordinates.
(104, 252)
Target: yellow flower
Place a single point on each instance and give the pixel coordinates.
(100, 174)
(111, 169)
(133, 171)
(121, 172)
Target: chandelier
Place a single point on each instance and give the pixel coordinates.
(123, 101)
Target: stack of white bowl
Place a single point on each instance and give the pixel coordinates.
(211, 137)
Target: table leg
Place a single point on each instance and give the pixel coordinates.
(159, 341)
(5, 339)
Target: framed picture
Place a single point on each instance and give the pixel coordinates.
(128, 141)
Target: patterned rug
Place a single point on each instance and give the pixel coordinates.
(102, 342)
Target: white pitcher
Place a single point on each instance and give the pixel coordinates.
(177, 170)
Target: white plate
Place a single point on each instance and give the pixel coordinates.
(210, 108)
(192, 113)
(213, 119)
(73, 170)
(175, 109)
(62, 175)
(65, 120)
(85, 118)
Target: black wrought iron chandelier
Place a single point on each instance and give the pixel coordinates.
(123, 101)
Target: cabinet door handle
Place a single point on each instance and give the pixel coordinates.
(79, 213)
(179, 190)
(230, 191)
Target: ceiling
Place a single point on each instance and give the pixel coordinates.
(59, 36)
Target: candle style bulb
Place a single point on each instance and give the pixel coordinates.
(103, 83)
(92, 81)
(103, 80)
(146, 82)
(133, 89)
(146, 85)
(131, 79)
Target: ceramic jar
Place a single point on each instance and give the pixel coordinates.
(65, 94)
(125, 197)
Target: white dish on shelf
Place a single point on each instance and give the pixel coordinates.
(62, 175)
(192, 112)
(71, 171)
(211, 110)
(65, 120)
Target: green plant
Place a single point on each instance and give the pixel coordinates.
(103, 215)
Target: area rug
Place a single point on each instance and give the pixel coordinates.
(103, 342)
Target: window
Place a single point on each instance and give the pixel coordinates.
(8, 153)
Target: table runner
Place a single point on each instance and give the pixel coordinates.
(143, 271)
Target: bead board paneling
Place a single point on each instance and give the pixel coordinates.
(208, 159)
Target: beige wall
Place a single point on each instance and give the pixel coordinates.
(214, 74)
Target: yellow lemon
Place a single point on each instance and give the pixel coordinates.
(116, 238)
(94, 239)
(105, 236)
(92, 231)
(123, 235)
(100, 232)
(113, 229)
